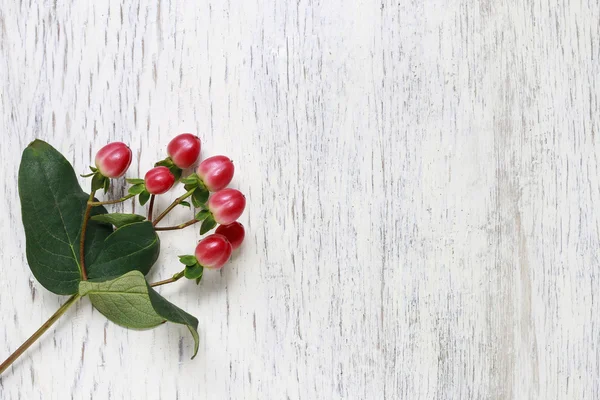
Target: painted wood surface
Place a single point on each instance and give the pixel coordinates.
(423, 183)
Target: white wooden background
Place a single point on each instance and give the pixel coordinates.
(423, 184)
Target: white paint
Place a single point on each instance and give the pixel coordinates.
(422, 180)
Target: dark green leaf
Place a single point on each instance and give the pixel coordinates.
(167, 162)
(202, 215)
(130, 302)
(94, 169)
(133, 247)
(194, 271)
(144, 197)
(135, 181)
(98, 181)
(208, 224)
(188, 260)
(137, 188)
(185, 204)
(200, 196)
(52, 206)
(118, 219)
(199, 279)
(176, 171)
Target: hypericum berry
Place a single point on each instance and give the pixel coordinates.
(113, 159)
(184, 150)
(158, 180)
(234, 232)
(213, 251)
(216, 172)
(226, 205)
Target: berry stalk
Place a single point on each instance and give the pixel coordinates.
(173, 205)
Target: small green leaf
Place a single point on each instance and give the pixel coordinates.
(188, 260)
(199, 279)
(137, 188)
(135, 181)
(106, 185)
(192, 180)
(208, 224)
(144, 197)
(118, 219)
(185, 204)
(202, 215)
(167, 162)
(98, 181)
(176, 171)
(200, 196)
(87, 175)
(94, 169)
(130, 302)
(194, 271)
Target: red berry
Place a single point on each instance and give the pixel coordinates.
(216, 172)
(113, 159)
(227, 205)
(234, 232)
(184, 150)
(213, 251)
(158, 180)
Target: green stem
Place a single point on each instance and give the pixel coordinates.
(175, 278)
(101, 203)
(12, 358)
(172, 206)
(172, 228)
(86, 217)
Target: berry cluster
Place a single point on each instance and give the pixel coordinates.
(207, 187)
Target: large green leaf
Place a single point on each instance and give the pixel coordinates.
(131, 247)
(52, 205)
(130, 302)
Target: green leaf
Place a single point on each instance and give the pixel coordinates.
(98, 181)
(200, 196)
(134, 246)
(167, 162)
(144, 197)
(118, 219)
(130, 302)
(188, 260)
(208, 224)
(137, 188)
(106, 185)
(192, 180)
(194, 271)
(93, 169)
(176, 171)
(185, 204)
(202, 215)
(52, 207)
(135, 181)
(200, 278)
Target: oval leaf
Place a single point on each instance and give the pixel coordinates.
(130, 302)
(52, 206)
(118, 219)
(133, 247)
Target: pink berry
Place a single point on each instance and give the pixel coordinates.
(234, 232)
(113, 159)
(227, 205)
(184, 150)
(216, 172)
(158, 180)
(213, 251)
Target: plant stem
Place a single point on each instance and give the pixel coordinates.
(86, 217)
(175, 278)
(180, 226)
(7, 363)
(172, 206)
(101, 203)
(151, 208)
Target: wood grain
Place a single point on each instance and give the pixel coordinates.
(422, 180)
